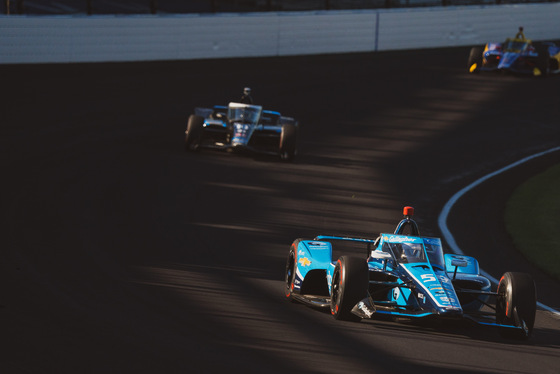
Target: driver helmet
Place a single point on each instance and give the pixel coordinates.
(247, 91)
(520, 34)
(411, 251)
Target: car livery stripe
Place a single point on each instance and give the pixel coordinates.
(450, 304)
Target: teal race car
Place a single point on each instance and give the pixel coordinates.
(404, 274)
(243, 128)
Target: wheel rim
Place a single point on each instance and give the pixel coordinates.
(335, 294)
(501, 305)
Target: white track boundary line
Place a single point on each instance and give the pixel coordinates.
(442, 220)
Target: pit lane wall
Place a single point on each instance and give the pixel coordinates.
(68, 39)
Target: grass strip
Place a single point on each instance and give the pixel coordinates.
(532, 219)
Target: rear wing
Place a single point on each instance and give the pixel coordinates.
(203, 112)
(287, 121)
(217, 111)
(369, 242)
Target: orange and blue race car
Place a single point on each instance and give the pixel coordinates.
(516, 55)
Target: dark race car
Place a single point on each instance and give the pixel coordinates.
(242, 127)
(516, 55)
(406, 276)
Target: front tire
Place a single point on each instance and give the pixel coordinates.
(193, 134)
(288, 140)
(349, 285)
(475, 60)
(290, 274)
(516, 305)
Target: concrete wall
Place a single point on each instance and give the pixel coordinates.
(55, 39)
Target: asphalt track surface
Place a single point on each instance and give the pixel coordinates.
(123, 253)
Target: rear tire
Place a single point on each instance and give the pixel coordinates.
(193, 134)
(516, 305)
(349, 285)
(288, 141)
(475, 57)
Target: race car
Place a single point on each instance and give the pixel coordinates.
(242, 127)
(516, 55)
(406, 275)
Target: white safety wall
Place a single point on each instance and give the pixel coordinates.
(446, 27)
(55, 39)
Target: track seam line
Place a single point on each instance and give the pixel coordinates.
(442, 219)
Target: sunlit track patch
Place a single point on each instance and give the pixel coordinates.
(239, 320)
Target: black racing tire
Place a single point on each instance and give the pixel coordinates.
(194, 132)
(475, 57)
(349, 285)
(290, 274)
(543, 59)
(516, 304)
(288, 142)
